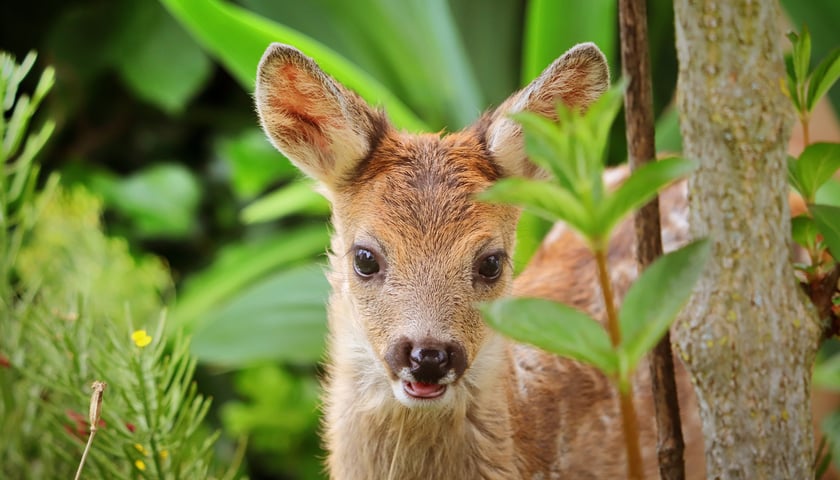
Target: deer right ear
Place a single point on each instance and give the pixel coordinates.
(577, 79)
(323, 128)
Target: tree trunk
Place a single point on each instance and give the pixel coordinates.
(748, 337)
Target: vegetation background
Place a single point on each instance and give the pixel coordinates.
(153, 111)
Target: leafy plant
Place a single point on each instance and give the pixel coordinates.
(78, 308)
(817, 230)
(572, 150)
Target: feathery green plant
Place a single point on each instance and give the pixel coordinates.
(76, 307)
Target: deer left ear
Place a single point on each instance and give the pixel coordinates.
(322, 127)
(577, 79)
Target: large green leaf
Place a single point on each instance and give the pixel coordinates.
(804, 230)
(815, 166)
(281, 317)
(297, 197)
(238, 39)
(239, 266)
(543, 198)
(554, 327)
(158, 59)
(554, 26)
(639, 188)
(822, 18)
(655, 298)
(828, 221)
(823, 77)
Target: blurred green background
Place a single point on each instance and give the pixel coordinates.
(154, 114)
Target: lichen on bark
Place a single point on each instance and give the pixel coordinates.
(748, 336)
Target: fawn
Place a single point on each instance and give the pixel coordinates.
(417, 385)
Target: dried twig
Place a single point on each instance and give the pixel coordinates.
(93, 417)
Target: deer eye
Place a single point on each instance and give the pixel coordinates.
(490, 267)
(364, 262)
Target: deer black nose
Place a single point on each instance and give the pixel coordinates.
(427, 361)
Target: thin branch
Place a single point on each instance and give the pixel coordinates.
(641, 146)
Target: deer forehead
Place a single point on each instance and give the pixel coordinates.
(416, 194)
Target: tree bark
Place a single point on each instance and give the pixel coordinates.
(641, 147)
(748, 336)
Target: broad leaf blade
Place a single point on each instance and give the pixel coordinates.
(817, 163)
(794, 177)
(543, 198)
(802, 55)
(655, 299)
(827, 219)
(238, 39)
(279, 318)
(640, 187)
(824, 76)
(546, 146)
(554, 327)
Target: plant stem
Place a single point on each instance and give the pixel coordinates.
(806, 135)
(641, 149)
(606, 289)
(629, 422)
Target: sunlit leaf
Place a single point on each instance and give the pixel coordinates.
(238, 39)
(827, 219)
(543, 198)
(640, 187)
(239, 266)
(815, 166)
(824, 76)
(255, 164)
(297, 197)
(281, 317)
(554, 327)
(654, 300)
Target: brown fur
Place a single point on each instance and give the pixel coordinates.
(516, 412)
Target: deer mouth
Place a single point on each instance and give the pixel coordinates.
(423, 391)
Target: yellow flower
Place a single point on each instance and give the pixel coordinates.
(140, 448)
(141, 338)
(164, 454)
(140, 465)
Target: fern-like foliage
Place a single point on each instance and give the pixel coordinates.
(76, 306)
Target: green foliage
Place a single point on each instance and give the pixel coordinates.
(553, 327)
(827, 219)
(814, 167)
(655, 299)
(280, 317)
(284, 441)
(77, 307)
(572, 150)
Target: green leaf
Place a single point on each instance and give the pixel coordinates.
(554, 26)
(655, 298)
(827, 219)
(815, 166)
(804, 230)
(255, 164)
(239, 266)
(281, 318)
(554, 327)
(297, 197)
(801, 54)
(544, 199)
(238, 39)
(793, 175)
(158, 60)
(530, 232)
(547, 147)
(829, 193)
(639, 188)
(161, 200)
(824, 76)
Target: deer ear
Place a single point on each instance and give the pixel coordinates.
(577, 79)
(323, 128)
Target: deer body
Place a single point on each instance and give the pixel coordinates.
(417, 385)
